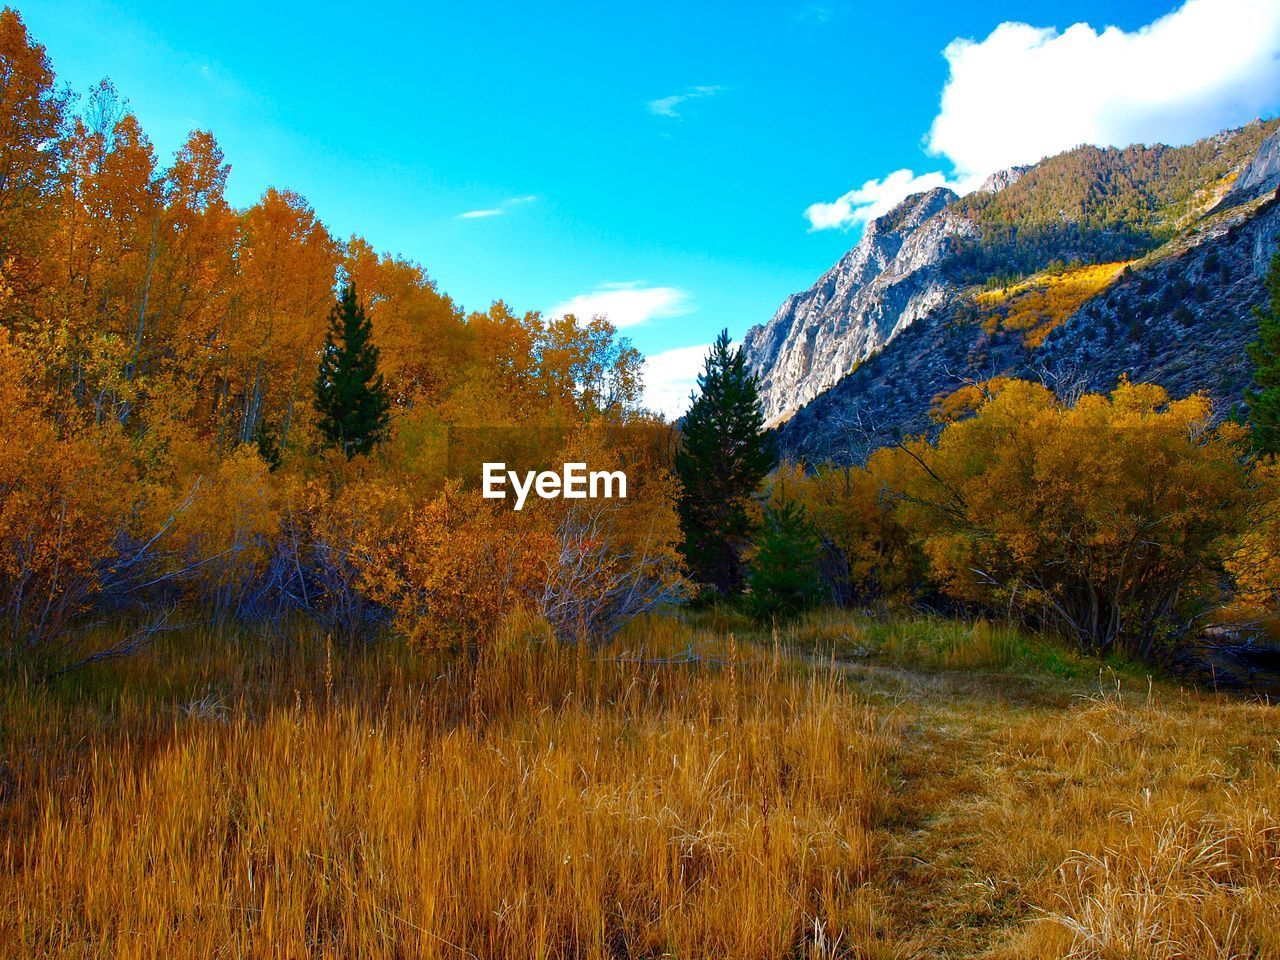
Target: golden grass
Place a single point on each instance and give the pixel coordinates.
(905, 789)
(1132, 823)
(542, 805)
(1155, 835)
(931, 643)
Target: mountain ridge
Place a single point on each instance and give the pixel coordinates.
(1009, 279)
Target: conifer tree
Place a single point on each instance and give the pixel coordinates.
(724, 456)
(1264, 402)
(349, 393)
(784, 572)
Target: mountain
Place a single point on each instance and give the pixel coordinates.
(1143, 261)
(884, 284)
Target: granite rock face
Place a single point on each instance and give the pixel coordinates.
(1001, 179)
(1263, 172)
(880, 287)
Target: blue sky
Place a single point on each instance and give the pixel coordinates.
(685, 165)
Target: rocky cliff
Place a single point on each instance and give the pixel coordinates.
(884, 284)
(1180, 318)
(1262, 172)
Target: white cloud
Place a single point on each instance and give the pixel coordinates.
(1026, 92)
(625, 304)
(670, 377)
(499, 210)
(872, 199)
(670, 106)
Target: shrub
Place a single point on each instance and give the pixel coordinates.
(63, 507)
(614, 559)
(224, 541)
(454, 568)
(866, 555)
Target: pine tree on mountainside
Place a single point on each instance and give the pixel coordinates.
(724, 456)
(349, 393)
(1264, 402)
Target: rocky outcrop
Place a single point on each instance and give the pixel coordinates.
(1262, 174)
(1001, 179)
(880, 287)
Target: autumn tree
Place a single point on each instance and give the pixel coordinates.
(1264, 400)
(62, 508)
(452, 568)
(151, 335)
(1255, 563)
(104, 244)
(349, 392)
(420, 334)
(588, 366)
(31, 116)
(1109, 519)
(866, 556)
(724, 455)
(288, 263)
(191, 290)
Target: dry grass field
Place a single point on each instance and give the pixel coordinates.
(700, 790)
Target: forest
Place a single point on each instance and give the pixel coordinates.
(278, 680)
(166, 447)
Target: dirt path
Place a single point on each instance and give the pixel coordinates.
(938, 900)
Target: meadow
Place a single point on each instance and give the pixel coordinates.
(845, 787)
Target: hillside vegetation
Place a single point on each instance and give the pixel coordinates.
(1038, 306)
(1102, 204)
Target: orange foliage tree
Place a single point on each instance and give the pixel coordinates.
(1110, 518)
(157, 344)
(31, 118)
(452, 568)
(1255, 564)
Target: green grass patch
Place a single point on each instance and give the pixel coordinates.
(942, 643)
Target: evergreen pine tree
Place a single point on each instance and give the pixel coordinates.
(724, 456)
(349, 393)
(784, 573)
(1264, 402)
